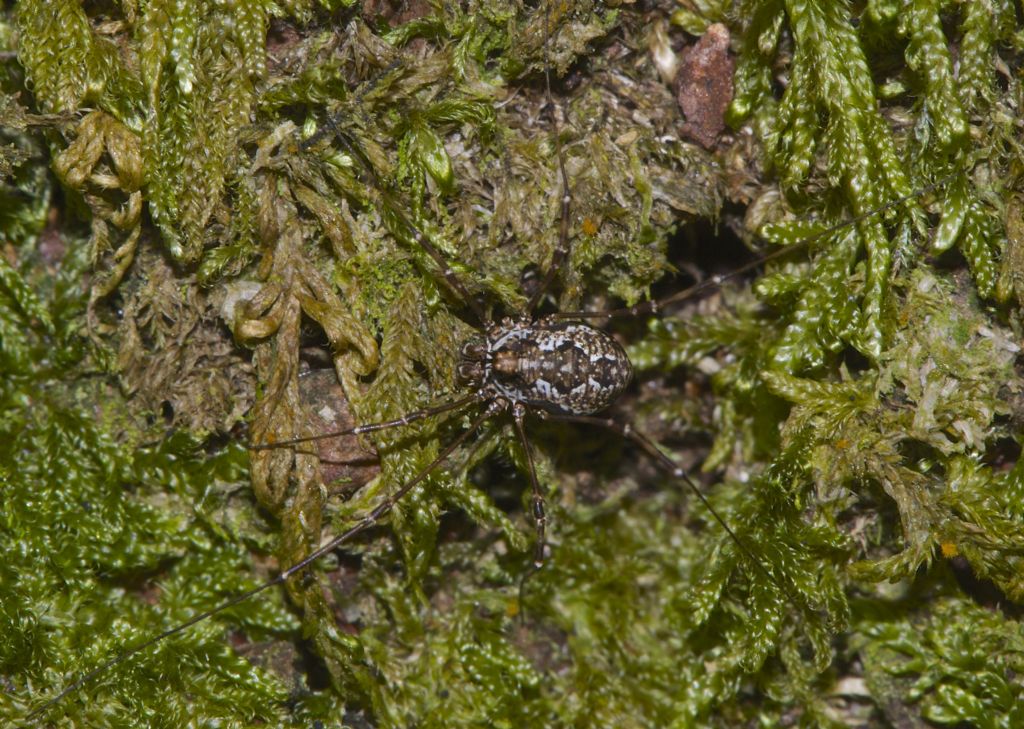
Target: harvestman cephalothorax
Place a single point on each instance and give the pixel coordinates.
(558, 367)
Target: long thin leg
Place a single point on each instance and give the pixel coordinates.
(357, 99)
(539, 515)
(372, 427)
(393, 209)
(673, 469)
(382, 510)
(447, 271)
(653, 307)
(562, 249)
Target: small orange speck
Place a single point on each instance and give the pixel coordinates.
(949, 550)
(843, 443)
(589, 227)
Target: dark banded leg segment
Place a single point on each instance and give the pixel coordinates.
(674, 470)
(382, 510)
(562, 249)
(406, 419)
(540, 519)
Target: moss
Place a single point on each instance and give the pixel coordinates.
(954, 664)
(262, 170)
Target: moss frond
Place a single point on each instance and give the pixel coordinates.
(949, 665)
(109, 542)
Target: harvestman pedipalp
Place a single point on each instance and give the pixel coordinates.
(553, 367)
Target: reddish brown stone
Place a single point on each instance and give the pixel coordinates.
(704, 86)
(343, 460)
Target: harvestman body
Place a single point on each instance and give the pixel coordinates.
(556, 367)
(566, 369)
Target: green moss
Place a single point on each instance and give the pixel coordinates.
(107, 542)
(954, 664)
(854, 406)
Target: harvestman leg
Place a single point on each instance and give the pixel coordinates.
(418, 236)
(673, 469)
(654, 306)
(406, 419)
(382, 510)
(562, 248)
(537, 508)
(557, 260)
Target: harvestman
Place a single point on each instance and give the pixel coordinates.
(555, 367)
